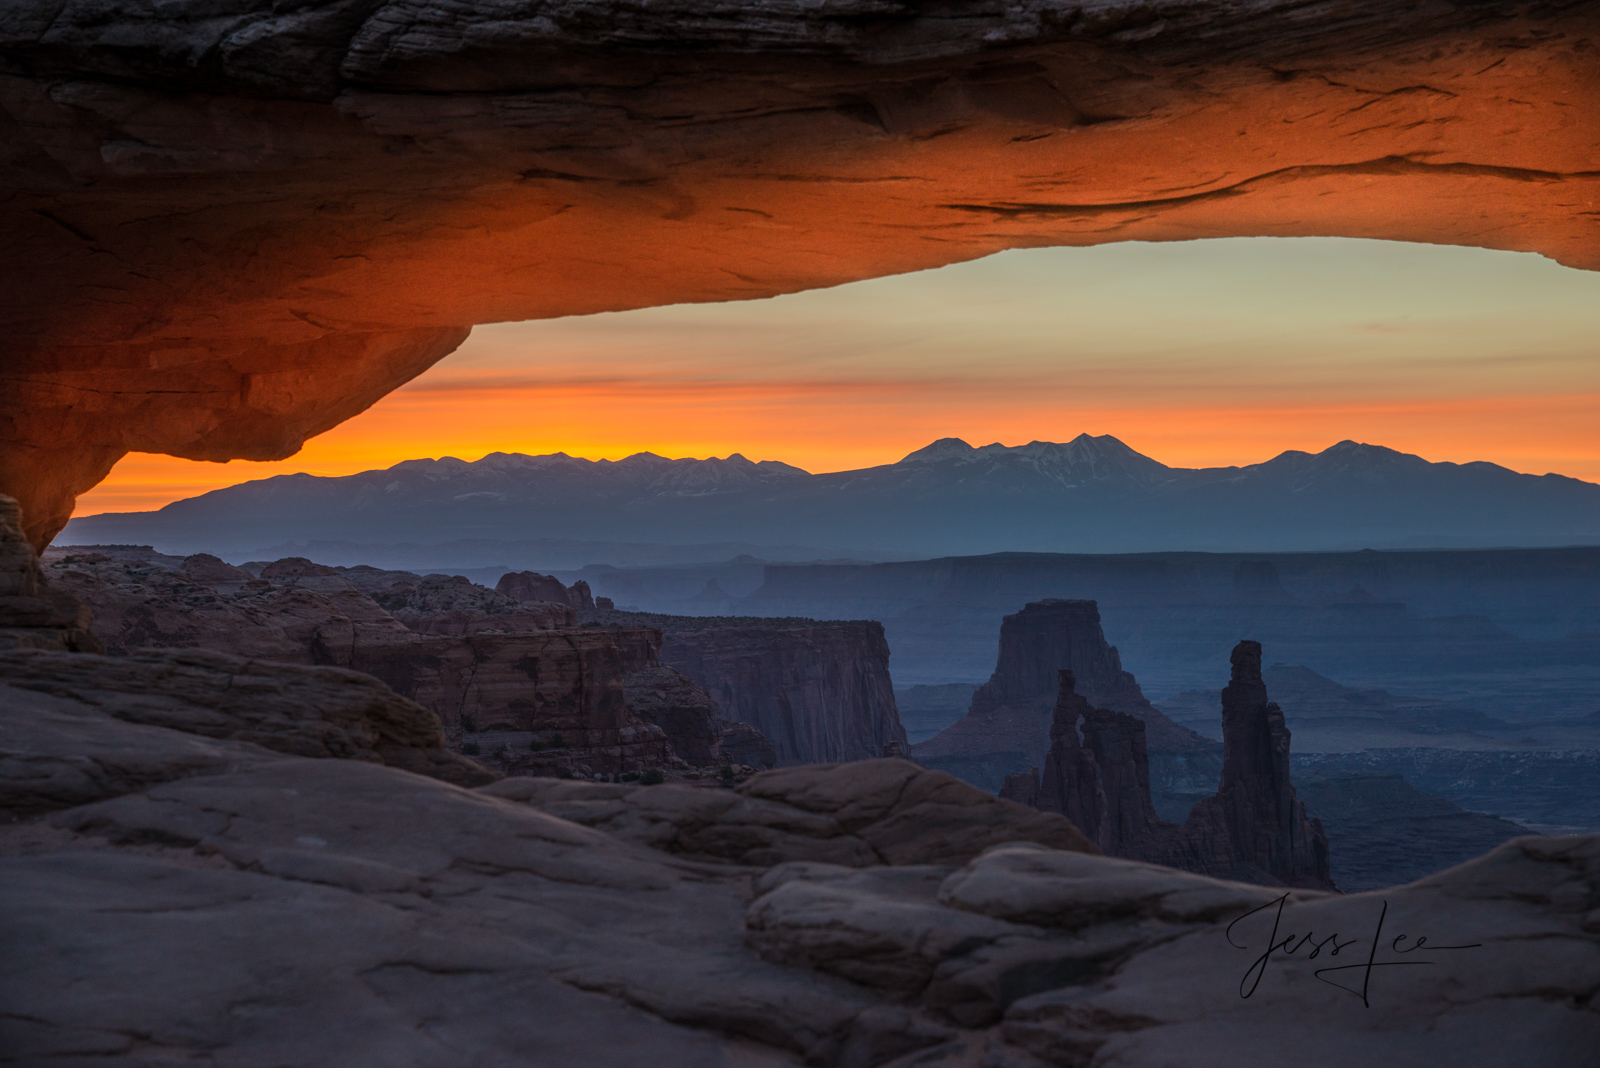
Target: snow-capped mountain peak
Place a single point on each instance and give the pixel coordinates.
(1083, 460)
(939, 451)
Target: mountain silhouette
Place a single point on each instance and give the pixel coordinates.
(1091, 494)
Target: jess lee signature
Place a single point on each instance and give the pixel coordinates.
(1290, 945)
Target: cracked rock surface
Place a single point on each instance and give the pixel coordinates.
(866, 813)
(319, 712)
(207, 899)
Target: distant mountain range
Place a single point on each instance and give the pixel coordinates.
(1092, 494)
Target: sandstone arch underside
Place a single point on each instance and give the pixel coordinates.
(232, 224)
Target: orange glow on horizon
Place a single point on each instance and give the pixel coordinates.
(833, 427)
(1197, 354)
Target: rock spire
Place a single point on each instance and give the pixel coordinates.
(1255, 807)
(1253, 829)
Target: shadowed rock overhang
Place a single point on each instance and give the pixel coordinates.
(231, 226)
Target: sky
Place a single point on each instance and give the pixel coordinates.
(1199, 353)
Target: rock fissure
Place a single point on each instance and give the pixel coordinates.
(1385, 165)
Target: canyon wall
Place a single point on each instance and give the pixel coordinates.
(515, 679)
(1010, 719)
(700, 730)
(480, 661)
(816, 691)
(560, 693)
(1253, 829)
(241, 225)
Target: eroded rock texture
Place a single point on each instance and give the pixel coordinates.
(33, 614)
(855, 815)
(1009, 724)
(1255, 821)
(561, 692)
(253, 707)
(1101, 780)
(696, 725)
(477, 659)
(143, 600)
(1253, 829)
(243, 223)
(532, 586)
(535, 694)
(453, 604)
(208, 897)
(818, 692)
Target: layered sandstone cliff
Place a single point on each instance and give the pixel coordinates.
(532, 586)
(699, 728)
(1009, 722)
(550, 695)
(818, 692)
(1253, 828)
(558, 694)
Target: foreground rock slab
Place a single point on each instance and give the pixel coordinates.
(304, 711)
(856, 815)
(246, 906)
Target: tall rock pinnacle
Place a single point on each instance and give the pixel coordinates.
(1101, 783)
(1253, 829)
(1266, 822)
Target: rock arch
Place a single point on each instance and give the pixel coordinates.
(230, 227)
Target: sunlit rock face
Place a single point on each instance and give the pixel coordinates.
(235, 225)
